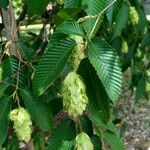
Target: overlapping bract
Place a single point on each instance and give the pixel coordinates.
(83, 142)
(74, 94)
(22, 123)
(134, 16)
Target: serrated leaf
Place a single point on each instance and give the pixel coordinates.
(113, 140)
(25, 50)
(66, 131)
(96, 142)
(146, 40)
(4, 118)
(51, 64)
(39, 110)
(71, 27)
(121, 20)
(66, 14)
(92, 8)
(3, 85)
(106, 63)
(86, 125)
(98, 99)
(72, 3)
(111, 13)
(10, 67)
(68, 145)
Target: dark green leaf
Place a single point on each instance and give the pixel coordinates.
(71, 27)
(106, 63)
(51, 64)
(25, 50)
(72, 3)
(146, 40)
(10, 67)
(66, 14)
(37, 7)
(40, 111)
(92, 8)
(96, 142)
(4, 118)
(64, 134)
(4, 3)
(98, 100)
(113, 140)
(121, 20)
(113, 10)
(86, 125)
(140, 91)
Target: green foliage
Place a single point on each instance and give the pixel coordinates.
(4, 3)
(70, 27)
(113, 140)
(121, 20)
(38, 109)
(37, 8)
(106, 63)
(4, 118)
(51, 64)
(93, 8)
(98, 100)
(63, 136)
(84, 37)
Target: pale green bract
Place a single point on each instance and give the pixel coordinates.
(78, 51)
(83, 142)
(134, 16)
(124, 47)
(147, 87)
(74, 95)
(22, 123)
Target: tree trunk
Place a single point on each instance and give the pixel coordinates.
(10, 28)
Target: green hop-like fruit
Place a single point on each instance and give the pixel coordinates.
(134, 16)
(147, 87)
(74, 95)
(138, 53)
(83, 142)
(124, 47)
(78, 52)
(22, 123)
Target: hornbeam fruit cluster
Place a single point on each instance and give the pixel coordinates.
(22, 123)
(74, 95)
(83, 142)
(134, 16)
(124, 47)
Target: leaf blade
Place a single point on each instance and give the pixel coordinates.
(51, 64)
(106, 62)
